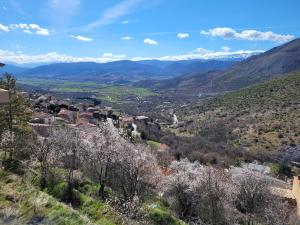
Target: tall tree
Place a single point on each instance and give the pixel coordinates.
(14, 115)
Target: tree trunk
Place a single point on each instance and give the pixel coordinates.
(101, 189)
(43, 181)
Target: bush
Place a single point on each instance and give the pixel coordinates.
(58, 190)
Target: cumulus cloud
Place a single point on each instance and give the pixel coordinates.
(21, 58)
(126, 38)
(3, 28)
(30, 28)
(112, 14)
(183, 35)
(149, 41)
(81, 38)
(252, 35)
(201, 53)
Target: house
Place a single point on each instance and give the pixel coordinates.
(85, 115)
(73, 108)
(67, 115)
(40, 118)
(90, 109)
(126, 121)
(63, 104)
(4, 96)
(82, 121)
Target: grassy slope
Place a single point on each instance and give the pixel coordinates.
(262, 117)
(22, 203)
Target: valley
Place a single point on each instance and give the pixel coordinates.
(197, 142)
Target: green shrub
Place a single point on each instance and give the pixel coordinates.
(58, 190)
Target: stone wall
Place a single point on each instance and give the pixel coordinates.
(296, 192)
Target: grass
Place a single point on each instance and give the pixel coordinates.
(118, 93)
(161, 215)
(154, 145)
(112, 93)
(22, 203)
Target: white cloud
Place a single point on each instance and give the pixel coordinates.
(4, 8)
(126, 38)
(112, 14)
(183, 35)
(21, 58)
(128, 21)
(225, 49)
(252, 35)
(149, 41)
(27, 31)
(30, 28)
(43, 32)
(4, 28)
(81, 38)
(201, 53)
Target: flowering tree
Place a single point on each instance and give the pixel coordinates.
(197, 193)
(68, 150)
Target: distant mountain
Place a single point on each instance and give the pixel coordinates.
(256, 69)
(123, 71)
(262, 67)
(12, 69)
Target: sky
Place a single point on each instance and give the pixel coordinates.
(35, 31)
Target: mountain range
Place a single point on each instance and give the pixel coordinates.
(124, 71)
(259, 68)
(188, 76)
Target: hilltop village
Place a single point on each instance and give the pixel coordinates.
(49, 111)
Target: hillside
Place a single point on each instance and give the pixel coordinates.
(12, 69)
(193, 84)
(262, 119)
(27, 205)
(256, 69)
(259, 68)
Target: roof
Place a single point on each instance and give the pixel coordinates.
(66, 114)
(4, 97)
(85, 115)
(63, 102)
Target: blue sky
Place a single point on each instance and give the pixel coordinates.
(93, 30)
